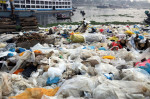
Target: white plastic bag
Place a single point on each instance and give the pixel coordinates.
(92, 37)
(45, 50)
(76, 85)
(135, 74)
(104, 92)
(27, 56)
(107, 68)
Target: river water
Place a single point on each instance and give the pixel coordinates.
(95, 14)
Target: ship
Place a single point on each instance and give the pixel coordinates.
(109, 6)
(103, 6)
(40, 5)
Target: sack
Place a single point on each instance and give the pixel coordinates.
(93, 37)
(77, 38)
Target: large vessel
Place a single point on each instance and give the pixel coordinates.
(40, 5)
(103, 6)
(109, 6)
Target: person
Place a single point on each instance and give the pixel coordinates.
(84, 25)
(147, 13)
(93, 30)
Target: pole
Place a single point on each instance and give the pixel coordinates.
(12, 8)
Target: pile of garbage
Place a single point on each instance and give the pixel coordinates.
(103, 62)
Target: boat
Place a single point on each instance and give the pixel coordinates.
(41, 5)
(62, 17)
(74, 8)
(109, 6)
(103, 6)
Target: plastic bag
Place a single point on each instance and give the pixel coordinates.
(135, 74)
(75, 86)
(3, 54)
(56, 71)
(53, 81)
(2, 45)
(5, 84)
(129, 32)
(77, 38)
(107, 68)
(92, 37)
(108, 57)
(27, 56)
(9, 46)
(123, 89)
(44, 50)
(104, 92)
(35, 93)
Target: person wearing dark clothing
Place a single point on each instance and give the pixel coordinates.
(93, 30)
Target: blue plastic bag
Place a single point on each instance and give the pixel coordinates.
(84, 47)
(12, 50)
(136, 32)
(146, 68)
(109, 76)
(102, 48)
(65, 35)
(53, 81)
(10, 54)
(21, 50)
(141, 37)
(91, 47)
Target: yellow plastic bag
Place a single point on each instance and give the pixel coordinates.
(2, 45)
(35, 93)
(77, 38)
(145, 33)
(108, 57)
(46, 30)
(114, 38)
(129, 32)
(135, 29)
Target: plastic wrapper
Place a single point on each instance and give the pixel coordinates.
(27, 56)
(72, 88)
(35, 93)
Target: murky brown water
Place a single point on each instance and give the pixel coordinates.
(97, 14)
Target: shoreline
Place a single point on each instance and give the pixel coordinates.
(93, 23)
